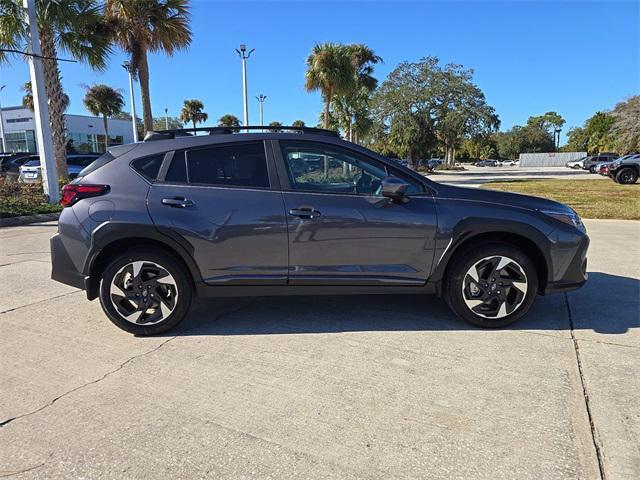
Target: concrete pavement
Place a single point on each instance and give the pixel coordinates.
(474, 176)
(332, 387)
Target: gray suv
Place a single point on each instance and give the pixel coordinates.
(298, 211)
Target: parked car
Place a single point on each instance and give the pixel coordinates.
(487, 163)
(432, 163)
(31, 171)
(603, 168)
(10, 164)
(576, 164)
(625, 170)
(149, 226)
(590, 162)
(510, 163)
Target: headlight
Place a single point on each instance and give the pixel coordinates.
(570, 218)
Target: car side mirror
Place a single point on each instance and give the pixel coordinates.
(394, 188)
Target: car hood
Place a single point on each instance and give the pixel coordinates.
(500, 198)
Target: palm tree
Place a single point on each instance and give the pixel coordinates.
(27, 98)
(330, 70)
(75, 27)
(106, 101)
(298, 123)
(275, 124)
(192, 112)
(228, 120)
(143, 26)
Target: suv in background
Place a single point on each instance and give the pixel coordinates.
(590, 162)
(31, 171)
(149, 226)
(626, 170)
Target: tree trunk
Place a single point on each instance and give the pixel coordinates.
(143, 76)
(106, 132)
(194, 127)
(55, 101)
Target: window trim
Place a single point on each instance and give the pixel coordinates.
(283, 170)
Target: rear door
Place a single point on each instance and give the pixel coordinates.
(225, 200)
(342, 231)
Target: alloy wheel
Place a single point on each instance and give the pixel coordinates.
(494, 287)
(144, 293)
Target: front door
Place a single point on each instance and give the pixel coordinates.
(342, 231)
(222, 200)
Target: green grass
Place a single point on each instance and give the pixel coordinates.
(590, 198)
(18, 199)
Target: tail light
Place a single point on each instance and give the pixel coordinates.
(73, 192)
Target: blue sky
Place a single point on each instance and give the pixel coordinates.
(529, 57)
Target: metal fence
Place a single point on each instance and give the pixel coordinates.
(552, 159)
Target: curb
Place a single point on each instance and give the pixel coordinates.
(26, 219)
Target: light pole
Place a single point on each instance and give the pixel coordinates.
(261, 98)
(244, 55)
(127, 67)
(40, 106)
(166, 119)
(557, 132)
(4, 142)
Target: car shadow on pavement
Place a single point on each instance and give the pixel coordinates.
(606, 304)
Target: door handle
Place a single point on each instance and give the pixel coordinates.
(178, 202)
(306, 213)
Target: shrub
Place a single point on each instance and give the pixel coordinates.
(17, 199)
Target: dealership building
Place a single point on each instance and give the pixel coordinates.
(85, 134)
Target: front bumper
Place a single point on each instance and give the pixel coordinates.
(575, 275)
(62, 267)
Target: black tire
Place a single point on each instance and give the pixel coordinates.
(627, 176)
(576, 167)
(465, 260)
(592, 169)
(178, 295)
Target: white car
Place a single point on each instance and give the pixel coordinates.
(510, 163)
(576, 164)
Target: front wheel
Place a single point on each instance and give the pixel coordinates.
(491, 285)
(145, 292)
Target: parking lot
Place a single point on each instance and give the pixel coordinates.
(473, 176)
(333, 387)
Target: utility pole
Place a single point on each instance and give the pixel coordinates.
(4, 141)
(127, 67)
(40, 107)
(261, 98)
(244, 55)
(166, 119)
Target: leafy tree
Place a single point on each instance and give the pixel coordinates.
(228, 120)
(297, 123)
(275, 124)
(577, 140)
(550, 121)
(106, 101)
(531, 138)
(626, 126)
(331, 71)
(143, 26)
(74, 27)
(599, 129)
(160, 123)
(192, 112)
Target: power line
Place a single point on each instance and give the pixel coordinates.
(11, 50)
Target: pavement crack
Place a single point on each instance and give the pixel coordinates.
(39, 301)
(585, 394)
(92, 382)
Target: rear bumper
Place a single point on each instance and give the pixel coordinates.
(62, 267)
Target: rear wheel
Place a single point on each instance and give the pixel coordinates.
(491, 285)
(627, 176)
(145, 292)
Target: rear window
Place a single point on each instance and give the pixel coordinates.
(112, 153)
(32, 163)
(148, 167)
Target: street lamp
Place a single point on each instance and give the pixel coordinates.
(261, 98)
(557, 132)
(166, 119)
(244, 55)
(127, 67)
(4, 142)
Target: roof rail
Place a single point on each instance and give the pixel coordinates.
(187, 132)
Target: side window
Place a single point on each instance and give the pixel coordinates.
(177, 172)
(240, 164)
(328, 169)
(148, 167)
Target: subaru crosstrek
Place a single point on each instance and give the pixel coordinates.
(149, 226)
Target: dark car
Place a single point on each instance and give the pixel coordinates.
(10, 164)
(487, 163)
(626, 170)
(590, 162)
(149, 226)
